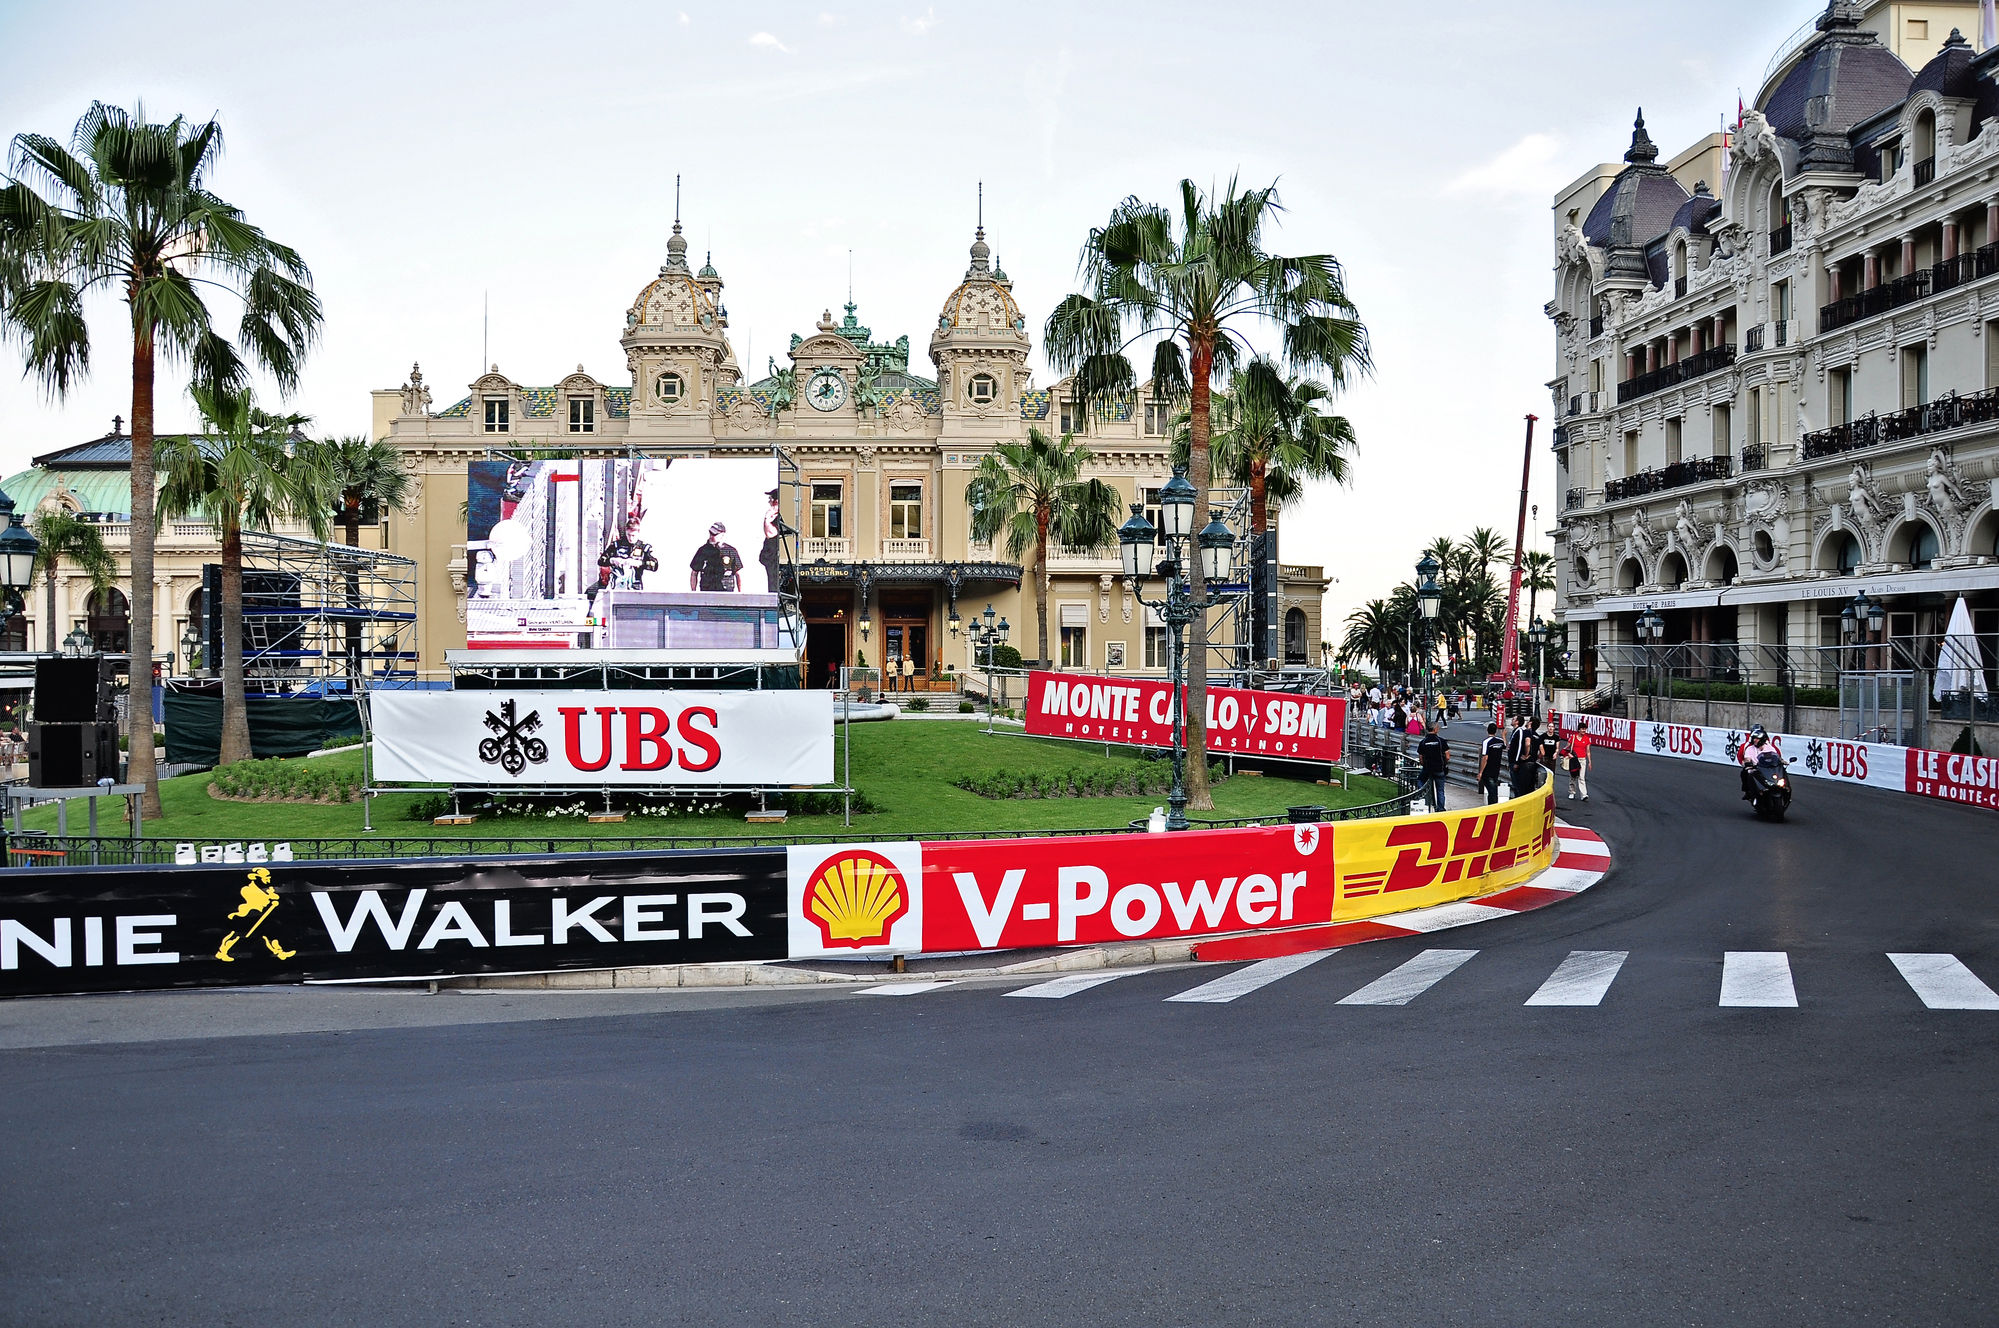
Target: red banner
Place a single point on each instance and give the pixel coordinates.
(1008, 894)
(1954, 777)
(1139, 712)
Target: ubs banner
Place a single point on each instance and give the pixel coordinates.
(127, 928)
(650, 739)
(1140, 713)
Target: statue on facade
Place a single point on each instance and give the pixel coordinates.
(1945, 487)
(416, 397)
(1868, 508)
(1692, 535)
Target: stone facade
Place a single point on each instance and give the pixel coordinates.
(882, 459)
(1777, 392)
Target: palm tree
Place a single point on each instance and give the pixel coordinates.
(1197, 287)
(364, 472)
(1537, 574)
(1036, 489)
(1376, 633)
(65, 538)
(248, 471)
(126, 209)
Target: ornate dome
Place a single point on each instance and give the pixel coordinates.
(1949, 73)
(1843, 78)
(982, 301)
(677, 298)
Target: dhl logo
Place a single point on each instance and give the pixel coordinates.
(1427, 856)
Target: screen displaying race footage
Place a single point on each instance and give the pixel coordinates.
(546, 538)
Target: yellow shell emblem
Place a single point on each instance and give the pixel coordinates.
(855, 898)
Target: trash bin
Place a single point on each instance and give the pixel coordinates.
(1305, 815)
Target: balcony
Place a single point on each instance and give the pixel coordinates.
(1677, 475)
(1780, 239)
(1679, 288)
(1596, 327)
(1965, 267)
(1926, 171)
(1754, 457)
(1893, 295)
(1752, 340)
(1575, 405)
(1939, 416)
(1561, 437)
(905, 550)
(1077, 555)
(1572, 500)
(833, 550)
(1694, 366)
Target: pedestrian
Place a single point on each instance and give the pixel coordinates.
(1574, 757)
(908, 673)
(1491, 761)
(1433, 754)
(1443, 707)
(1522, 758)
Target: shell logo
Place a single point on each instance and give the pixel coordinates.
(854, 898)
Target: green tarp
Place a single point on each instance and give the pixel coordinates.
(279, 726)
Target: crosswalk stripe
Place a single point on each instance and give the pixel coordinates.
(1402, 985)
(1944, 983)
(903, 988)
(1582, 978)
(1757, 978)
(1069, 986)
(1248, 978)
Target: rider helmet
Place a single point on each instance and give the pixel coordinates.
(1758, 733)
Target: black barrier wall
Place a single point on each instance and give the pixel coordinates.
(139, 928)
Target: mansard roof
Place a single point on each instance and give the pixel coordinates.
(1948, 74)
(1694, 214)
(1844, 78)
(1642, 201)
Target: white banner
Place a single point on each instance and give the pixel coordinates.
(1875, 764)
(592, 738)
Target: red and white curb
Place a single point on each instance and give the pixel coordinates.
(1581, 859)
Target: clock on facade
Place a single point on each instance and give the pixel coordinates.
(826, 390)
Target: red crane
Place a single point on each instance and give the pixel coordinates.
(1509, 656)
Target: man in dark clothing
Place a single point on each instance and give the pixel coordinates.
(1434, 755)
(1491, 761)
(715, 565)
(625, 561)
(1523, 753)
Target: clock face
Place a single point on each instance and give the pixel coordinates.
(826, 391)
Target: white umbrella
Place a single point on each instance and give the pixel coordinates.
(1959, 668)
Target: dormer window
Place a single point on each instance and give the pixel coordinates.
(496, 415)
(983, 388)
(582, 415)
(669, 387)
(1068, 417)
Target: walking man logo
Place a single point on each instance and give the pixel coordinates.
(260, 901)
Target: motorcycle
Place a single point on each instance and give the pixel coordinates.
(1767, 786)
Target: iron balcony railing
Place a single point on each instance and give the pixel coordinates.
(1754, 457)
(1572, 500)
(1968, 266)
(1596, 327)
(1926, 171)
(1879, 300)
(1783, 330)
(1694, 366)
(1575, 405)
(1953, 411)
(1780, 239)
(1677, 475)
(1752, 340)
(1679, 288)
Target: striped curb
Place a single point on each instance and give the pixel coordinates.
(1581, 859)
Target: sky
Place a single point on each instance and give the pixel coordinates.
(433, 161)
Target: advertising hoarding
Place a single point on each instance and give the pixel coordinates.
(1139, 712)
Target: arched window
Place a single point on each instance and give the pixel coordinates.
(1845, 553)
(1926, 147)
(1918, 545)
(1294, 636)
(110, 621)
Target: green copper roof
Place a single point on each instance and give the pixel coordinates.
(93, 490)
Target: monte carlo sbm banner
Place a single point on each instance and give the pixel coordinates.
(1139, 712)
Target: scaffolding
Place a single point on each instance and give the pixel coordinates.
(321, 619)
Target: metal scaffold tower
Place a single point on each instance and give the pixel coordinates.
(324, 618)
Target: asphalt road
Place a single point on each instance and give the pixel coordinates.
(954, 1156)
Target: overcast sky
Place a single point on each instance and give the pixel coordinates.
(423, 157)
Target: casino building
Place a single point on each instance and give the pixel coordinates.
(878, 458)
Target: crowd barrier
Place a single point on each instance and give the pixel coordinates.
(140, 927)
(1949, 776)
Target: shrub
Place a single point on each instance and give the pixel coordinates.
(1110, 781)
(919, 704)
(966, 707)
(278, 780)
(428, 809)
(1006, 657)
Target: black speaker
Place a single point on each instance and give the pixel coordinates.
(71, 755)
(74, 690)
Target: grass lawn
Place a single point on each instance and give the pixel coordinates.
(906, 767)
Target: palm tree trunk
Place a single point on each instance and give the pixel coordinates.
(51, 642)
(1201, 365)
(1259, 528)
(140, 768)
(235, 708)
(1041, 588)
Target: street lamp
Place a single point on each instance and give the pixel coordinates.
(1650, 628)
(1538, 634)
(984, 634)
(77, 644)
(17, 549)
(1430, 601)
(1139, 545)
(190, 645)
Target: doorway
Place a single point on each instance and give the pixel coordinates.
(825, 652)
(905, 640)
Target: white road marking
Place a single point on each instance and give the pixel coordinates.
(1403, 985)
(1069, 986)
(1570, 879)
(1757, 978)
(903, 988)
(1440, 916)
(1582, 978)
(1944, 983)
(1248, 978)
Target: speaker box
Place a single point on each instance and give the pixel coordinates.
(74, 690)
(71, 755)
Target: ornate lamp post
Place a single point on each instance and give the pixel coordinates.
(1430, 600)
(1650, 628)
(986, 636)
(1139, 545)
(77, 644)
(17, 556)
(190, 646)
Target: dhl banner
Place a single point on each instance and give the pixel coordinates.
(1918, 770)
(1102, 889)
(1139, 712)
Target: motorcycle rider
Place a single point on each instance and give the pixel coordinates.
(1758, 741)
